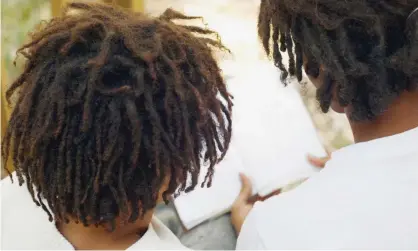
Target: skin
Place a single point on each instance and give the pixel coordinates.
(401, 116)
(244, 202)
(100, 238)
(92, 238)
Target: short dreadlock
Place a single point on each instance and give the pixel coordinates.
(111, 105)
(368, 48)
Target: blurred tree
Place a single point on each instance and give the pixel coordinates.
(136, 5)
(18, 18)
(56, 6)
(122, 3)
(4, 115)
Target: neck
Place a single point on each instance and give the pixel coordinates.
(401, 116)
(100, 238)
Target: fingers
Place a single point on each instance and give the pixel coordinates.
(246, 189)
(318, 162)
(241, 207)
(255, 198)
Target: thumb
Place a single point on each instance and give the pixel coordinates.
(318, 162)
(246, 189)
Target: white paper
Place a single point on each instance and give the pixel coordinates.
(274, 142)
(272, 135)
(204, 203)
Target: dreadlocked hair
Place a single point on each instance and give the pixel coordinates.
(110, 105)
(368, 49)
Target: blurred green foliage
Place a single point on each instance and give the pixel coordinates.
(18, 18)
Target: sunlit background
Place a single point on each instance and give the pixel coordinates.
(234, 20)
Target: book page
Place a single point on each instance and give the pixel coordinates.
(204, 203)
(274, 133)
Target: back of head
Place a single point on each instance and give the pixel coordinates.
(367, 49)
(111, 107)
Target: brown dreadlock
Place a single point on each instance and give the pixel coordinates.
(111, 105)
(368, 48)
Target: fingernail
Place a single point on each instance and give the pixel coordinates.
(313, 160)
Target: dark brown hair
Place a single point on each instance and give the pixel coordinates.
(111, 104)
(368, 48)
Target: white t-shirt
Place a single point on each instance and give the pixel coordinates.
(25, 226)
(365, 198)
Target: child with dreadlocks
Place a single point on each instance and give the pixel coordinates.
(362, 55)
(114, 112)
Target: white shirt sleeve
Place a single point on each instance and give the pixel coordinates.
(249, 237)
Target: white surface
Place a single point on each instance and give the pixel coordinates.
(204, 203)
(272, 134)
(365, 198)
(26, 227)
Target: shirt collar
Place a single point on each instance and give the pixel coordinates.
(158, 237)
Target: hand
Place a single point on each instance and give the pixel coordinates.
(242, 205)
(318, 162)
(245, 201)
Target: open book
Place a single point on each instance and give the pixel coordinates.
(272, 135)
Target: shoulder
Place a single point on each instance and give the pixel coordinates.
(24, 224)
(13, 196)
(273, 224)
(343, 203)
(295, 219)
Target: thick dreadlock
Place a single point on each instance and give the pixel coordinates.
(368, 49)
(111, 105)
